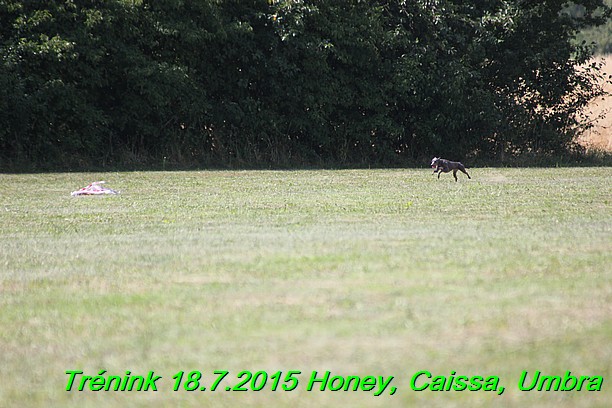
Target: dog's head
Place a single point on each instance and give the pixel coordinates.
(434, 162)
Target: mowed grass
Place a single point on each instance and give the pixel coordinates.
(359, 272)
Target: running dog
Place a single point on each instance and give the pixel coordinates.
(445, 166)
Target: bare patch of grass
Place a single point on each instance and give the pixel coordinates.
(599, 111)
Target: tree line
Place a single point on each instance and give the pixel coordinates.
(126, 83)
(600, 35)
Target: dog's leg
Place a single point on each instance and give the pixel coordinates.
(455, 174)
(440, 172)
(462, 168)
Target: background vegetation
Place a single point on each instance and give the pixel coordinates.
(600, 36)
(284, 83)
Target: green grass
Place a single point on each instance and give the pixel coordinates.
(360, 272)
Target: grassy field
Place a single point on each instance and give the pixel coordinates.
(359, 272)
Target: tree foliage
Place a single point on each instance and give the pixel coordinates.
(289, 82)
(599, 36)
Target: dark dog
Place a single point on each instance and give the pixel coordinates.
(445, 166)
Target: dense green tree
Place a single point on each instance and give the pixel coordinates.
(289, 82)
